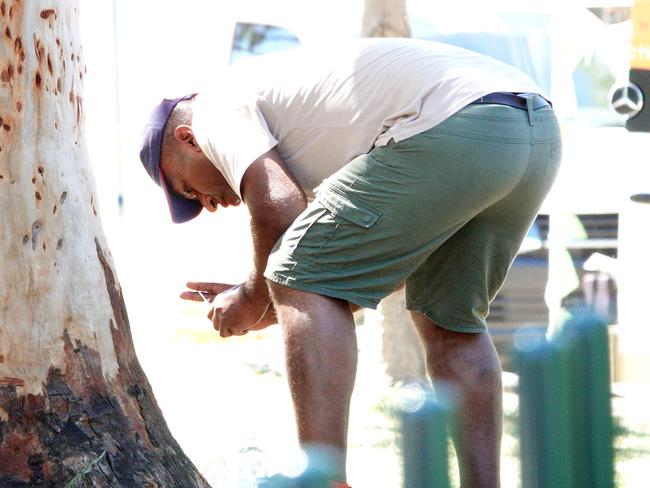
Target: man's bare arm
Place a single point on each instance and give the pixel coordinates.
(274, 199)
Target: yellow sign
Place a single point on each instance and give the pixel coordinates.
(641, 35)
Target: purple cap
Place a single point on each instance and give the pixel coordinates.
(181, 208)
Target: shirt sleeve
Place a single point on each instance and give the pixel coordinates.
(232, 135)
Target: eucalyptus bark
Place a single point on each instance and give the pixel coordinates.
(73, 397)
(401, 349)
(385, 18)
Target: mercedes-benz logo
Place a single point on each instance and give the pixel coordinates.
(627, 100)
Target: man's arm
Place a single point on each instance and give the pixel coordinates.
(274, 199)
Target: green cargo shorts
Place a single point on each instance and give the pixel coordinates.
(445, 210)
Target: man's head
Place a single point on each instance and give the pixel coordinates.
(174, 160)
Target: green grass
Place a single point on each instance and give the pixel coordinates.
(630, 441)
(84, 471)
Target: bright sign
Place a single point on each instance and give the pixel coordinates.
(641, 35)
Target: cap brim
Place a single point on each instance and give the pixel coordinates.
(182, 209)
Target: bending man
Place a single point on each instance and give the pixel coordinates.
(363, 166)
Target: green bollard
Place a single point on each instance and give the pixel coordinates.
(424, 443)
(586, 339)
(545, 427)
(565, 408)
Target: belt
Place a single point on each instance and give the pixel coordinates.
(517, 100)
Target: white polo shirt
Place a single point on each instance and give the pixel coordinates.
(323, 107)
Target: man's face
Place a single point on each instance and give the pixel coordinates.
(193, 176)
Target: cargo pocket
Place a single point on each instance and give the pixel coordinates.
(341, 206)
(336, 237)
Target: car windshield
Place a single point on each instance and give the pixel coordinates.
(255, 39)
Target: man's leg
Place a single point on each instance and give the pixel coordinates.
(321, 354)
(469, 364)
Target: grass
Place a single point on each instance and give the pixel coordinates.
(84, 471)
(631, 442)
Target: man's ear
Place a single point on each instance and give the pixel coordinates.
(185, 135)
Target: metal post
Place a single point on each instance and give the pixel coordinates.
(544, 402)
(586, 340)
(425, 444)
(565, 408)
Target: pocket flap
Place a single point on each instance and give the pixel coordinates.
(341, 206)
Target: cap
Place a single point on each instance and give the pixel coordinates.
(181, 208)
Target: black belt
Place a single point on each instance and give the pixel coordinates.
(514, 100)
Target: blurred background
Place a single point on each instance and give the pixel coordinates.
(226, 401)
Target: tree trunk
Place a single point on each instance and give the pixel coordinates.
(402, 352)
(74, 401)
(385, 18)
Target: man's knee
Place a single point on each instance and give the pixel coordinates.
(440, 341)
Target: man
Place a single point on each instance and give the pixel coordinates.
(364, 166)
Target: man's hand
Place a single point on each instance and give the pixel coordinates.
(233, 311)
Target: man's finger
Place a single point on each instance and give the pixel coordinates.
(197, 296)
(217, 321)
(212, 288)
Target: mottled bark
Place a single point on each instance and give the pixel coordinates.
(385, 18)
(402, 351)
(72, 393)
